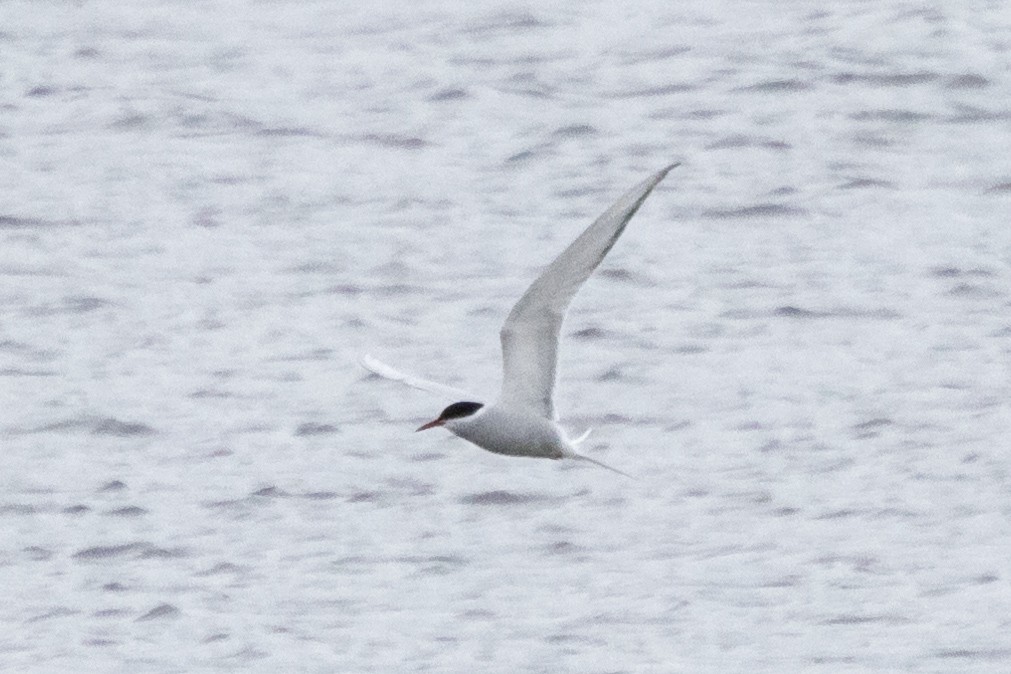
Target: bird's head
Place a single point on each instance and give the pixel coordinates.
(454, 415)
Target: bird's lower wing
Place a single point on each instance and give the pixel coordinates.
(385, 371)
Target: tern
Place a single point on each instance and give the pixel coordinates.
(524, 422)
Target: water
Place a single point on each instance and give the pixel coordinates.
(209, 211)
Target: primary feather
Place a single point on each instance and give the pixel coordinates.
(530, 334)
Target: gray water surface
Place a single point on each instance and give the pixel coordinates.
(209, 211)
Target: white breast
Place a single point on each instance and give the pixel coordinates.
(512, 432)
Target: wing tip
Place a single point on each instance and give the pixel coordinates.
(664, 171)
(374, 366)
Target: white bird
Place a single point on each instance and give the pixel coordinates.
(523, 422)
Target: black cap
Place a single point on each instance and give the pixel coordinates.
(459, 410)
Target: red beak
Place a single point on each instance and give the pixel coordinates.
(430, 424)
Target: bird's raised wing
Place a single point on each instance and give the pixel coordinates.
(380, 368)
(530, 334)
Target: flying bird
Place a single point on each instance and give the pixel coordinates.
(524, 422)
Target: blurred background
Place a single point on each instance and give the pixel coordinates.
(209, 211)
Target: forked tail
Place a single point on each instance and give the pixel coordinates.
(581, 457)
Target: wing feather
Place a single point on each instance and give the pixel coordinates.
(376, 366)
(530, 333)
